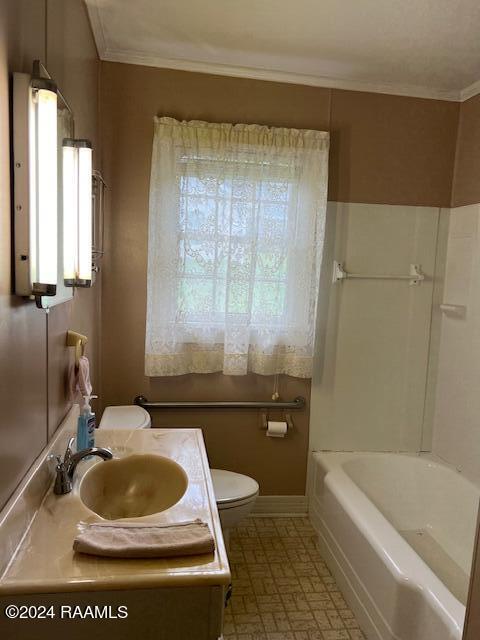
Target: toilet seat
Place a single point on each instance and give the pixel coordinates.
(232, 490)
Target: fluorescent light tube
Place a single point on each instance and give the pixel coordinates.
(70, 212)
(45, 183)
(84, 278)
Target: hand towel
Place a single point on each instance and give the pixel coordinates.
(144, 540)
(83, 376)
(79, 379)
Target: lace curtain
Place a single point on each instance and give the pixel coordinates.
(236, 230)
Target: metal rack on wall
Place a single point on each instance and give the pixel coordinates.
(99, 187)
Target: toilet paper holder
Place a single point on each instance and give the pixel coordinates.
(264, 421)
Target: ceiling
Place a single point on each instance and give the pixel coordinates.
(424, 48)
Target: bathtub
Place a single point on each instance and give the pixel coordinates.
(397, 531)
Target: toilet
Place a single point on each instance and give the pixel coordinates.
(235, 493)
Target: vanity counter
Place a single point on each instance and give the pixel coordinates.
(44, 561)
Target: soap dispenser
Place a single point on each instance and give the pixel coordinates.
(86, 425)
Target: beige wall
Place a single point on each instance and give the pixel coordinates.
(33, 357)
(384, 149)
(72, 60)
(391, 149)
(466, 187)
(23, 424)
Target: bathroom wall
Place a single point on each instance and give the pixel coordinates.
(384, 149)
(23, 424)
(456, 427)
(33, 357)
(456, 431)
(72, 60)
(369, 391)
(466, 186)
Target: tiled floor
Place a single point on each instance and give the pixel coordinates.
(282, 589)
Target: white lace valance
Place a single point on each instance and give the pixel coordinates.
(236, 228)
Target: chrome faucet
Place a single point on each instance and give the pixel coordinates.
(66, 468)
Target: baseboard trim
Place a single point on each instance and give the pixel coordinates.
(281, 506)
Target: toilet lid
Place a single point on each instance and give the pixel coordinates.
(232, 487)
(125, 417)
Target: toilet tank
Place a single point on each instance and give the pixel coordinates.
(125, 417)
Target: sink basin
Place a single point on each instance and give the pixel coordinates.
(134, 486)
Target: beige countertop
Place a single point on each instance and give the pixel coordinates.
(45, 562)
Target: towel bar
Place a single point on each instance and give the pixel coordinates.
(415, 277)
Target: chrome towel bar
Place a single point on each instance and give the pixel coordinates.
(298, 403)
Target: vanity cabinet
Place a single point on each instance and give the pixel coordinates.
(175, 598)
(182, 613)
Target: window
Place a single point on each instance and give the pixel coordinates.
(235, 244)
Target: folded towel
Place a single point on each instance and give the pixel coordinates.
(144, 540)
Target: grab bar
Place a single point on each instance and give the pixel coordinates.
(298, 403)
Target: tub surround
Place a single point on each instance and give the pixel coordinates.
(368, 388)
(456, 435)
(45, 562)
(458, 337)
(398, 533)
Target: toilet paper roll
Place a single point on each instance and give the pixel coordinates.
(276, 429)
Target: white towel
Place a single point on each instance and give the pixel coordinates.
(117, 539)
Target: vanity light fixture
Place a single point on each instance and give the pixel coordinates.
(77, 208)
(35, 180)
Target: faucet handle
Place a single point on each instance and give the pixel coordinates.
(69, 451)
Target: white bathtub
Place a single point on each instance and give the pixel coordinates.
(398, 533)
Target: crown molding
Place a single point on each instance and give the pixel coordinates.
(141, 58)
(97, 28)
(470, 91)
